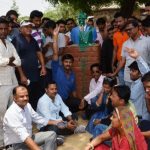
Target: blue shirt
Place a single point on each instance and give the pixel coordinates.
(65, 85)
(138, 93)
(50, 109)
(28, 55)
(75, 34)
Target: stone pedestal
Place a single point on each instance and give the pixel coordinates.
(81, 66)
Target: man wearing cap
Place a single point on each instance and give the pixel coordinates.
(9, 59)
(30, 54)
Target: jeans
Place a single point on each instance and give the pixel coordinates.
(121, 76)
(99, 129)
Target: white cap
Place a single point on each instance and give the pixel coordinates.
(90, 17)
(25, 23)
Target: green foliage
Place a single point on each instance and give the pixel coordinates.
(61, 11)
(86, 5)
(14, 6)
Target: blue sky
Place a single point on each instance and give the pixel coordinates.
(25, 6)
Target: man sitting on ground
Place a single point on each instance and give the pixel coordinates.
(18, 125)
(50, 105)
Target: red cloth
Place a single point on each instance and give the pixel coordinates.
(102, 147)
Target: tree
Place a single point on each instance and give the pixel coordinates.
(126, 6)
(14, 6)
(61, 11)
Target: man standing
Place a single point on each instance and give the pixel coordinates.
(35, 18)
(137, 42)
(9, 59)
(30, 54)
(18, 125)
(118, 39)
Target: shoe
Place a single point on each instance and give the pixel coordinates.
(59, 141)
(61, 136)
(80, 129)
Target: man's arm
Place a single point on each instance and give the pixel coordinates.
(146, 134)
(41, 59)
(23, 78)
(31, 144)
(114, 56)
(120, 66)
(55, 44)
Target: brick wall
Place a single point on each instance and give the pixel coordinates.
(81, 66)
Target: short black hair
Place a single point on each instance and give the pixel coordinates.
(49, 83)
(12, 12)
(49, 24)
(133, 22)
(95, 65)
(147, 4)
(119, 14)
(110, 81)
(15, 88)
(146, 77)
(134, 66)
(67, 56)
(3, 20)
(61, 21)
(146, 22)
(70, 19)
(123, 92)
(100, 21)
(36, 13)
(45, 19)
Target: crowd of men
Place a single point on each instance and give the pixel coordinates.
(36, 76)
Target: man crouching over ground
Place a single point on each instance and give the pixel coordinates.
(18, 125)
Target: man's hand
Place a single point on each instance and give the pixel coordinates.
(96, 121)
(132, 52)
(43, 71)
(24, 80)
(71, 125)
(11, 59)
(111, 74)
(56, 31)
(82, 104)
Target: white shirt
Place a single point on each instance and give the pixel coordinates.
(61, 44)
(94, 88)
(99, 37)
(17, 123)
(50, 109)
(7, 73)
(142, 45)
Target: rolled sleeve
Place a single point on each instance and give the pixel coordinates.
(4, 61)
(17, 60)
(22, 133)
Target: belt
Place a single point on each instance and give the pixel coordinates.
(9, 146)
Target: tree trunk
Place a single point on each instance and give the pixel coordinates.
(127, 7)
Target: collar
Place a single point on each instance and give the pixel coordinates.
(19, 109)
(137, 81)
(139, 38)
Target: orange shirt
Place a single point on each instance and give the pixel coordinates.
(118, 39)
